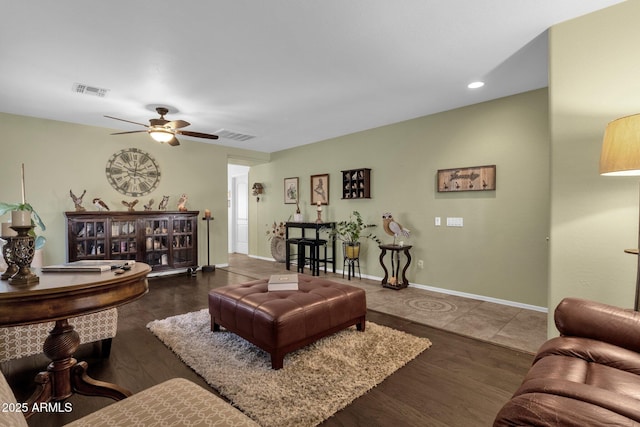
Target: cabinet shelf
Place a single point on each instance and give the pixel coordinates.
(356, 183)
(164, 240)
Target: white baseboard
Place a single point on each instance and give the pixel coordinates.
(447, 291)
(482, 298)
(264, 258)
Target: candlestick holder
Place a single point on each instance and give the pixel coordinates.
(7, 254)
(208, 268)
(23, 248)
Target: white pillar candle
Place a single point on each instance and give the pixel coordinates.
(20, 218)
(7, 231)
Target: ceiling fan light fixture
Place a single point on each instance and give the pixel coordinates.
(163, 130)
(161, 135)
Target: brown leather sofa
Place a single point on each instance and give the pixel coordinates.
(589, 376)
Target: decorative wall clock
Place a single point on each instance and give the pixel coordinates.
(133, 172)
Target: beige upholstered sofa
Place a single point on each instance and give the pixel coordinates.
(23, 341)
(176, 402)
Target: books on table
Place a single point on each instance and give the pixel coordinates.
(96, 266)
(283, 282)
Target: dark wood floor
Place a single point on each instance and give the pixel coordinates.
(459, 381)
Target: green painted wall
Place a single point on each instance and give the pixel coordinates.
(594, 78)
(60, 156)
(501, 252)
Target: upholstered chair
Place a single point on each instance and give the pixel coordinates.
(22, 341)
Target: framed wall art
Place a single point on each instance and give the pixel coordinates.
(320, 189)
(290, 191)
(477, 178)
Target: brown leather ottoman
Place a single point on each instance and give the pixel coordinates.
(283, 321)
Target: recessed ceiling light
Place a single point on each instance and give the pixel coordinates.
(475, 85)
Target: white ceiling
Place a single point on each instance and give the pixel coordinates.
(289, 72)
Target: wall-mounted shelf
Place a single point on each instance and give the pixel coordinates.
(356, 184)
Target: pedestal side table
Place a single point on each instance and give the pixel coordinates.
(396, 264)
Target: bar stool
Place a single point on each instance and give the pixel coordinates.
(313, 258)
(320, 243)
(303, 244)
(291, 256)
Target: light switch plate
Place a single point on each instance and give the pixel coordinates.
(455, 222)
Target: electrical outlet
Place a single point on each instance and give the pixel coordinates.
(420, 263)
(437, 222)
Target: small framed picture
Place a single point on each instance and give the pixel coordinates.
(320, 189)
(290, 191)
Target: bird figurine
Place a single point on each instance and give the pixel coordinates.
(393, 228)
(182, 201)
(102, 206)
(149, 206)
(130, 205)
(78, 200)
(163, 203)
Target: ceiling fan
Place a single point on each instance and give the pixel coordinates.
(163, 130)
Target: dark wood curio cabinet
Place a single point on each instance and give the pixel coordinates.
(164, 240)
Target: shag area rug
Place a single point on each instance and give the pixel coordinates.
(316, 381)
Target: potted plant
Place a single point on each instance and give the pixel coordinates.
(351, 231)
(25, 210)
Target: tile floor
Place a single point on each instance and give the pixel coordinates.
(500, 324)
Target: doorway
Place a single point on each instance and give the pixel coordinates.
(238, 205)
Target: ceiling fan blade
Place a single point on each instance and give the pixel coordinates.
(173, 142)
(128, 121)
(176, 124)
(131, 131)
(197, 134)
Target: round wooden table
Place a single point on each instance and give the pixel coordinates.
(57, 297)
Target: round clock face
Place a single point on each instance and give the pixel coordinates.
(133, 172)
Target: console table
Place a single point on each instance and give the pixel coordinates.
(60, 296)
(316, 227)
(395, 265)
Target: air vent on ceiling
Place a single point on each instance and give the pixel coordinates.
(236, 136)
(90, 90)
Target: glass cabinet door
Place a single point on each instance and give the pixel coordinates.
(156, 239)
(123, 239)
(182, 245)
(90, 238)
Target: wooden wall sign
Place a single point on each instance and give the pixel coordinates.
(477, 178)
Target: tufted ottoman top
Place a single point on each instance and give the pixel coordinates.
(277, 319)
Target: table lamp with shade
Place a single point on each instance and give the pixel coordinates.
(621, 157)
